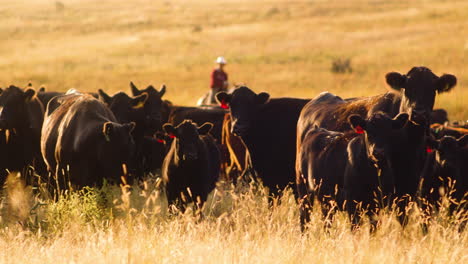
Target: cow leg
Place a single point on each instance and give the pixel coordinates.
(60, 179)
(402, 205)
(233, 174)
(328, 212)
(171, 201)
(198, 204)
(306, 202)
(28, 175)
(426, 211)
(305, 209)
(354, 214)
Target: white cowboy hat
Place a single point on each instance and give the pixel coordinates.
(221, 60)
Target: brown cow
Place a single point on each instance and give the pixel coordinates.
(82, 139)
(239, 158)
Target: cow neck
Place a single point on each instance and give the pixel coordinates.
(405, 105)
(409, 164)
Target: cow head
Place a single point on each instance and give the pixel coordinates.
(125, 108)
(153, 107)
(448, 151)
(244, 104)
(186, 138)
(13, 106)
(378, 131)
(419, 87)
(119, 147)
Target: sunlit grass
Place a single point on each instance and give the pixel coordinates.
(118, 225)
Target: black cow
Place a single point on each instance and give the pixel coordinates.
(166, 109)
(384, 163)
(440, 131)
(268, 129)
(449, 160)
(132, 109)
(154, 107)
(417, 89)
(320, 166)
(154, 150)
(191, 167)
(200, 115)
(46, 96)
(439, 116)
(82, 141)
(21, 117)
(127, 109)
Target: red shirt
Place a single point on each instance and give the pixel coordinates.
(218, 77)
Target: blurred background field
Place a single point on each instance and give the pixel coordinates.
(284, 47)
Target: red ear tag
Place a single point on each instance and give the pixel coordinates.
(429, 150)
(359, 130)
(224, 105)
(172, 136)
(161, 141)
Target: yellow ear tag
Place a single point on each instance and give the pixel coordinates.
(124, 168)
(7, 135)
(139, 105)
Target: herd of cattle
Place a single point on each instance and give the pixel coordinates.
(351, 154)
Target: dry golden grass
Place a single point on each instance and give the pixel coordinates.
(117, 226)
(283, 47)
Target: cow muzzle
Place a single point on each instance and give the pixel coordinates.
(420, 116)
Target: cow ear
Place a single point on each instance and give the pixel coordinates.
(42, 89)
(162, 91)
(134, 89)
(139, 101)
(169, 128)
(262, 98)
(445, 83)
(161, 137)
(107, 130)
(400, 121)
(357, 123)
(223, 97)
(29, 93)
(205, 128)
(463, 141)
(130, 126)
(104, 97)
(396, 80)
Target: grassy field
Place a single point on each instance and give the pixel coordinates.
(283, 47)
(116, 225)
